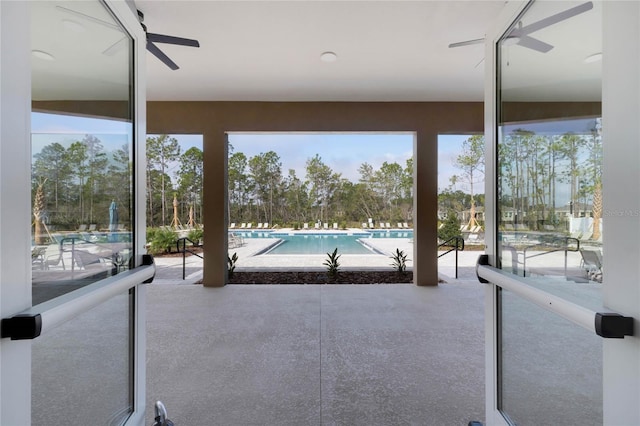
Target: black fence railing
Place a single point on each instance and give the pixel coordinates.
(458, 245)
(181, 243)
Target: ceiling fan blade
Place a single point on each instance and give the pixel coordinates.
(116, 47)
(89, 18)
(467, 43)
(553, 19)
(161, 38)
(534, 43)
(160, 55)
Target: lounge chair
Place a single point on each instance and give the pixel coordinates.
(249, 225)
(381, 225)
(406, 225)
(335, 225)
(316, 225)
(265, 225)
(592, 262)
(232, 226)
(371, 225)
(399, 225)
(243, 225)
(364, 225)
(53, 256)
(82, 228)
(387, 225)
(92, 227)
(259, 225)
(305, 226)
(325, 225)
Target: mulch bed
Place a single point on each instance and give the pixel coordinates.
(344, 277)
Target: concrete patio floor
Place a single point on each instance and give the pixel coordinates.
(316, 354)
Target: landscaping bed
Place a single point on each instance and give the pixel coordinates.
(343, 277)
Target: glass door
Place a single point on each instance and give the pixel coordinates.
(557, 198)
(72, 328)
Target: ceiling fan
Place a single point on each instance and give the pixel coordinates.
(151, 37)
(520, 34)
(161, 38)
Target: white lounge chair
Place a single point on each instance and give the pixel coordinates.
(399, 225)
(406, 225)
(249, 225)
(387, 225)
(371, 225)
(232, 226)
(325, 225)
(305, 226)
(243, 225)
(316, 225)
(381, 225)
(335, 225)
(265, 225)
(259, 225)
(364, 225)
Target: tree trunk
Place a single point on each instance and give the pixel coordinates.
(597, 210)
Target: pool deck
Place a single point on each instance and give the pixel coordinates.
(250, 259)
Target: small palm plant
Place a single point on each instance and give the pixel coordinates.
(399, 261)
(332, 264)
(232, 263)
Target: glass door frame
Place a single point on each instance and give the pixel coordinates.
(621, 78)
(15, 171)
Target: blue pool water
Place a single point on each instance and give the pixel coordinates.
(323, 242)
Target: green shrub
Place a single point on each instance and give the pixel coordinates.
(231, 261)
(399, 261)
(450, 228)
(163, 241)
(332, 264)
(196, 236)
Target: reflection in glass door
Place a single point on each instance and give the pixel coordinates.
(564, 241)
(83, 209)
(549, 212)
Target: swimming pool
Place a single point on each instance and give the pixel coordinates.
(319, 244)
(322, 242)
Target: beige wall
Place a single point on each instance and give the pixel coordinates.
(214, 119)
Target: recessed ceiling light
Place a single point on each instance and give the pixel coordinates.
(328, 57)
(74, 26)
(40, 54)
(593, 58)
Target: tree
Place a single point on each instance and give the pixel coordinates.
(78, 162)
(323, 183)
(471, 162)
(97, 163)
(389, 182)
(594, 171)
(161, 151)
(239, 188)
(266, 173)
(51, 166)
(190, 177)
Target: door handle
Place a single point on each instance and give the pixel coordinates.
(609, 325)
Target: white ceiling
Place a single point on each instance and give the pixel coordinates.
(270, 50)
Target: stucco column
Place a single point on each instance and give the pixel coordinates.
(215, 214)
(425, 251)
